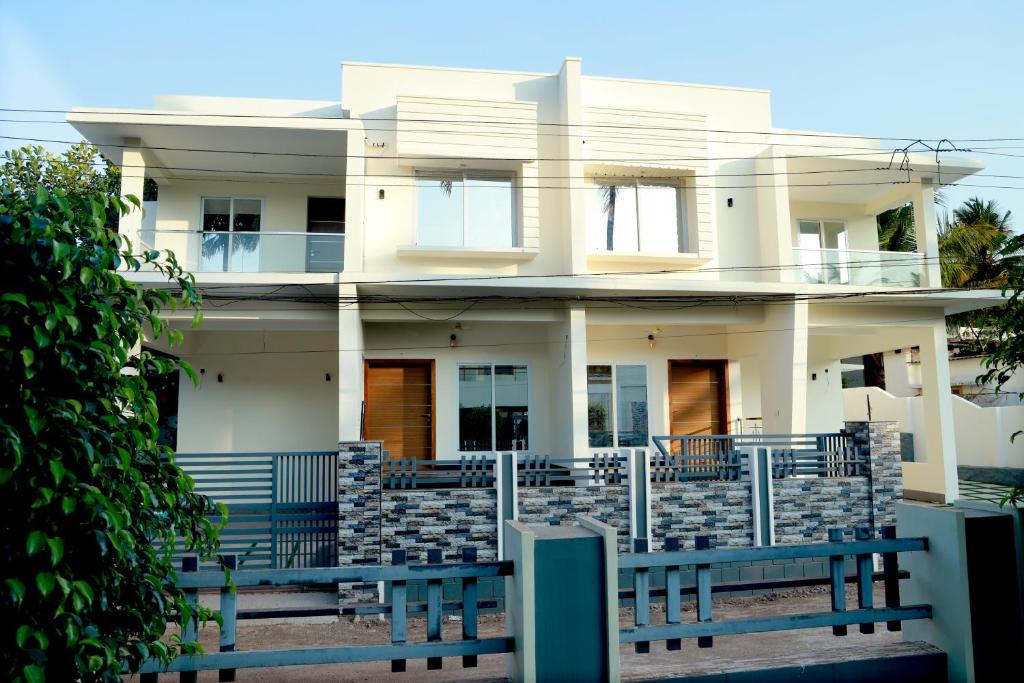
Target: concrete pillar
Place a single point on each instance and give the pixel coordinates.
(350, 368)
(776, 229)
(561, 602)
(783, 364)
(570, 81)
(577, 325)
(133, 177)
(938, 425)
(927, 228)
(969, 576)
(355, 199)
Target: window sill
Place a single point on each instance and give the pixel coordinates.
(642, 258)
(476, 253)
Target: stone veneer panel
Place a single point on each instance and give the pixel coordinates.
(806, 508)
(880, 441)
(686, 509)
(359, 514)
(417, 520)
(556, 505)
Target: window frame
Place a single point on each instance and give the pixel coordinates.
(615, 398)
(494, 416)
(821, 232)
(231, 210)
(463, 175)
(682, 201)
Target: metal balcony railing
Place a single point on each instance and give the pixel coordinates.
(268, 251)
(857, 267)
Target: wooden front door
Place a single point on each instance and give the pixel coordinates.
(697, 397)
(400, 407)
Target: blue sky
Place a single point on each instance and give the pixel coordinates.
(906, 69)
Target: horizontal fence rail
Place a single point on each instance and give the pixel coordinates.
(839, 618)
(721, 457)
(601, 468)
(468, 472)
(397, 576)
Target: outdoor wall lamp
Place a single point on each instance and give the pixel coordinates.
(327, 377)
(453, 341)
(650, 340)
(380, 193)
(220, 377)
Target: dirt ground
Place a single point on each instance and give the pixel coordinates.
(730, 653)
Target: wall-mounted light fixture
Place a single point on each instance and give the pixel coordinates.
(650, 340)
(453, 341)
(380, 193)
(327, 377)
(728, 202)
(220, 377)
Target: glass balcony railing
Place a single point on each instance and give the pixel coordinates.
(268, 251)
(864, 268)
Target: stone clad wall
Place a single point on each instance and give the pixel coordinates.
(881, 442)
(718, 508)
(805, 509)
(359, 497)
(564, 504)
(450, 519)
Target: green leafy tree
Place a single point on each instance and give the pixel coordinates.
(91, 505)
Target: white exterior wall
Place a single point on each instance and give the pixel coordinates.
(275, 395)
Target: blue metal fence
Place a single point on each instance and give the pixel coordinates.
(282, 507)
(227, 660)
(839, 618)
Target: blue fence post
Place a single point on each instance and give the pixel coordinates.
(190, 622)
(865, 571)
(398, 610)
(704, 592)
(837, 575)
(229, 618)
(562, 601)
(434, 614)
(642, 596)
(673, 600)
(891, 576)
(469, 607)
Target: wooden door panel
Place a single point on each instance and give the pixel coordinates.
(697, 398)
(399, 407)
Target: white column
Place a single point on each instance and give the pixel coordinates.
(350, 369)
(355, 199)
(578, 378)
(927, 227)
(938, 412)
(783, 361)
(574, 201)
(133, 176)
(773, 216)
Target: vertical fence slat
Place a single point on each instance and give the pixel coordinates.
(398, 611)
(229, 619)
(469, 607)
(642, 599)
(864, 577)
(704, 592)
(673, 606)
(891, 574)
(433, 609)
(837, 575)
(189, 624)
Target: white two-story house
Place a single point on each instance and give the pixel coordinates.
(466, 261)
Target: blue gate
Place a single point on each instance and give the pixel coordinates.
(282, 507)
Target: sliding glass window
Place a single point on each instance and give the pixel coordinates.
(617, 405)
(493, 408)
(472, 210)
(637, 216)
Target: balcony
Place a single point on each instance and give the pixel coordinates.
(862, 268)
(201, 251)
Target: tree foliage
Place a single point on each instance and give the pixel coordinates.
(91, 506)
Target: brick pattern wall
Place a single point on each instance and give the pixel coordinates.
(564, 504)
(881, 442)
(718, 508)
(450, 519)
(359, 499)
(805, 509)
